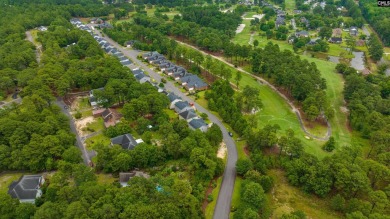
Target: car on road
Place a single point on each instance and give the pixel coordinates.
(230, 134)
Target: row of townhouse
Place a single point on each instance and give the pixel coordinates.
(183, 108)
(189, 81)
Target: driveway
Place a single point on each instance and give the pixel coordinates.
(79, 143)
(222, 208)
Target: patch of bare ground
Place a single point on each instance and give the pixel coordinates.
(222, 150)
(82, 123)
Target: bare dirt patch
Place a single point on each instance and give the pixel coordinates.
(82, 123)
(344, 109)
(222, 151)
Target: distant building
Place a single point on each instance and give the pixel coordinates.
(353, 31)
(336, 40)
(198, 124)
(126, 141)
(302, 33)
(182, 106)
(27, 188)
(188, 115)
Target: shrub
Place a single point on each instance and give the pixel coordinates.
(78, 115)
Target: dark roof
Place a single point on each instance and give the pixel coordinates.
(126, 141)
(336, 39)
(188, 114)
(140, 76)
(26, 188)
(137, 71)
(127, 62)
(107, 115)
(197, 123)
(302, 32)
(172, 96)
(182, 104)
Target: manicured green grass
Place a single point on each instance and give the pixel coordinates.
(105, 178)
(86, 113)
(334, 91)
(290, 5)
(97, 139)
(286, 198)
(6, 180)
(171, 113)
(97, 125)
(236, 194)
(209, 212)
(243, 37)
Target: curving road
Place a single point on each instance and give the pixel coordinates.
(222, 208)
(263, 81)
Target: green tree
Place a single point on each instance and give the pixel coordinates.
(253, 194)
(243, 165)
(238, 77)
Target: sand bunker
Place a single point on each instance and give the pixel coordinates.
(222, 150)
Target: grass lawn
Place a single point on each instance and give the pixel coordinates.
(83, 103)
(105, 178)
(97, 125)
(97, 139)
(236, 194)
(243, 37)
(334, 91)
(86, 113)
(171, 14)
(211, 206)
(287, 198)
(6, 180)
(171, 113)
(290, 5)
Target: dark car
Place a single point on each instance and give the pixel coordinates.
(230, 134)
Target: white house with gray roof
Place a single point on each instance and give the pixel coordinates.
(27, 188)
(126, 141)
(182, 106)
(198, 124)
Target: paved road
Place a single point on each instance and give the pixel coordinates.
(263, 81)
(222, 208)
(79, 143)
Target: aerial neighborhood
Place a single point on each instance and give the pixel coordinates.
(200, 109)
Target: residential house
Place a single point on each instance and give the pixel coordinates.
(193, 82)
(124, 178)
(337, 32)
(353, 31)
(173, 99)
(27, 188)
(165, 65)
(182, 106)
(305, 22)
(110, 117)
(130, 43)
(92, 99)
(360, 43)
(137, 71)
(142, 78)
(179, 74)
(42, 28)
(302, 33)
(105, 25)
(126, 62)
(126, 141)
(188, 115)
(149, 54)
(158, 61)
(279, 21)
(297, 11)
(312, 42)
(337, 40)
(198, 124)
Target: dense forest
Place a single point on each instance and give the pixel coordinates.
(379, 19)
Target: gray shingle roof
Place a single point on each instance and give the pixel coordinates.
(197, 123)
(172, 96)
(182, 104)
(188, 114)
(26, 188)
(126, 141)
